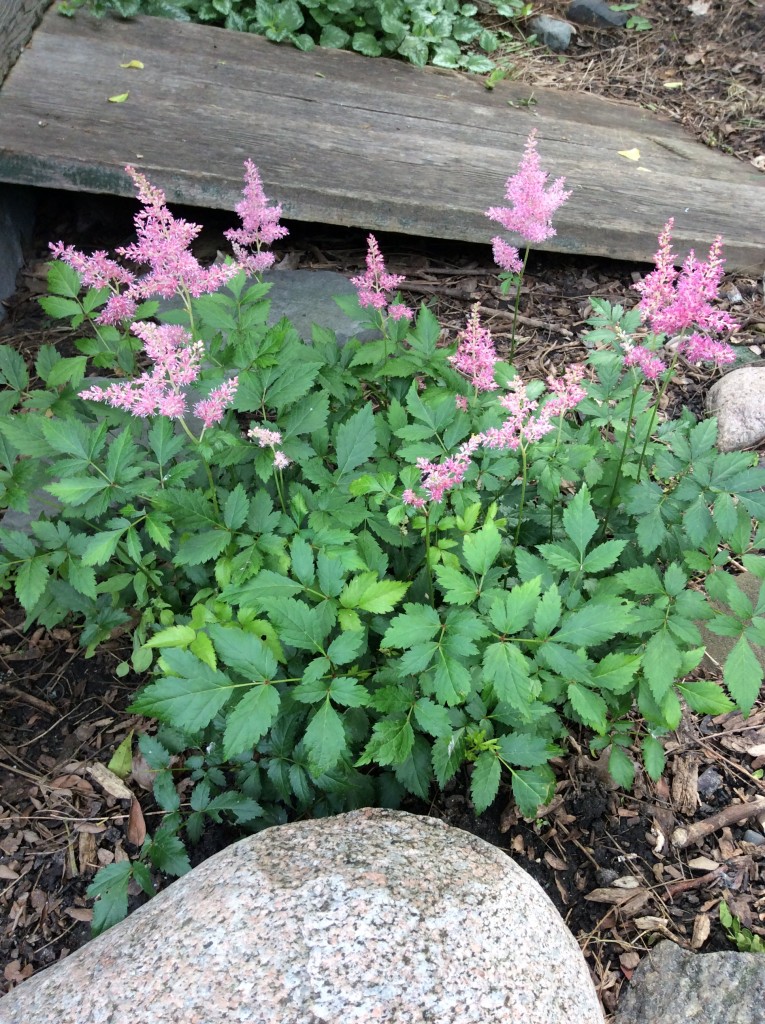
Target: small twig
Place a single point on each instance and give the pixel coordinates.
(28, 698)
(675, 888)
(732, 815)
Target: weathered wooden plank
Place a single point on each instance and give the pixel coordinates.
(340, 139)
(18, 19)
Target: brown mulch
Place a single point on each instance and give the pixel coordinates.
(606, 858)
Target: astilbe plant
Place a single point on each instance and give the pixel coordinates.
(365, 570)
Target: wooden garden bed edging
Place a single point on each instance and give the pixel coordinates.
(342, 139)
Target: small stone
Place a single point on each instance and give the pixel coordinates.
(738, 402)
(596, 14)
(552, 32)
(375, 915)
(672, 985)
(709, 782)
(755, 838)
(606, 876)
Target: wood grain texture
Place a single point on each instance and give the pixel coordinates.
(18, 19)
(341, 139)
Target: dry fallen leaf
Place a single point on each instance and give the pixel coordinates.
(701, 928)
(136, 830)
(703, 864)
(699, 8)
(79, 913)
(630, 154)
(109, 782)
(8, 874)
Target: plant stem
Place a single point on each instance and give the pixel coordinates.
(517, 303)
(524, 470)
(279, 489)
(618, 473)
(205, 463)
(654, 411)
(431, 588)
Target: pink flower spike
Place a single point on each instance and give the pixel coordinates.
(506, 256)
(265, 438)
(567, 391)
(410, 498)
(461, 402)
(438, 478)
(281, 461)
(260, 224)
(533, 203)
(476, 356)
(375, 286)
(699, 349)
(212, 408)
(646, 361)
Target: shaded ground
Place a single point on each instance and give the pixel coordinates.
(606, 858)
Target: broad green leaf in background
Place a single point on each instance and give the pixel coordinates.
(484, 780)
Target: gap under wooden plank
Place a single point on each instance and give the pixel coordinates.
(342, 139)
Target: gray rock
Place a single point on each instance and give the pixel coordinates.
(738, 402)
(673, 986)
(16, 223)
(755, 838)
(370, 916)
(709, 782)
(596, 14)
(306, 297)
(552, 32)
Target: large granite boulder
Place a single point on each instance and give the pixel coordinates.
(674, 986)
(373, 916)
(738, 402)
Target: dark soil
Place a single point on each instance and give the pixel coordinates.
(604, 857)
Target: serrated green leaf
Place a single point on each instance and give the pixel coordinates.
(642, 580)
(451, 680)
(559, 557)
(621, 767)
(251, 719)
(31, 581)
(706, 697)
(432, 718)
(418, 624)
(82, 578)
(167, 852)
(367, 593)
(525, 750)
(484, 780)
(243, 652)
(456, 586)
(188, 696)
(202, 646)
(110, 891)
(579, 520)
(616, 672)
(236, 508)
(172, 636)
(121, 761)
(100, 548)
(650, 531)
(301, 556)
(548, 612)
(266, 586)
(593, 624)
(345, 647)
(532, 788)
(202, 547)
(507, 669)
(742, 674)
(512, 610)
(589, 706)
(653, 757)
(325, 740)
(356, 441)
(661, 664)
(76, 490)
(603, 556)
(158, 529)
(481, 549)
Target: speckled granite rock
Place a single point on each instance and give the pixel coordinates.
(374, 916)
(738, 402)
(673, 986)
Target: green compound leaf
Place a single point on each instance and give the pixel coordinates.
(244, 652)
(432, 718)
(603, 556)
(621, 767)
(525, 750)
(31, 581)
(391, 742)
(662, 663)
(484, 780)
(457, 588)
(706, 697)
(451, 680)
(547, 615)
(595, 623)
(251, 719)
(236, 508)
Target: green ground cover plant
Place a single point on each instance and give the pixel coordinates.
(352, 572)
(446, 33)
